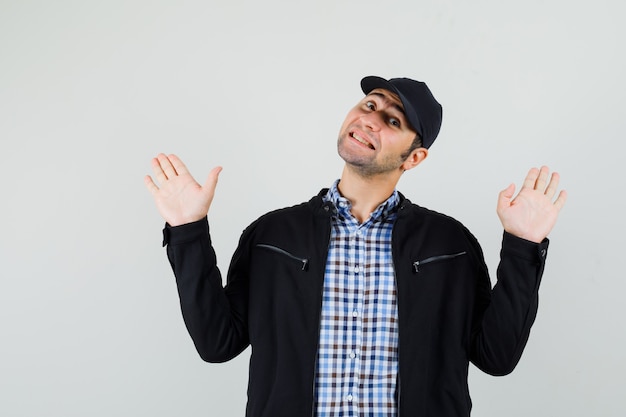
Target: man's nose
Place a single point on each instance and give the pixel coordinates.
(372, 120)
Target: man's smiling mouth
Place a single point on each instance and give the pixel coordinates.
(360, 139)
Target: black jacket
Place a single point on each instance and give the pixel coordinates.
(448, 313)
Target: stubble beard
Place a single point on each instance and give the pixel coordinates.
(368, 166)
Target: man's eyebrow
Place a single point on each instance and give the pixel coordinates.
(394, 105)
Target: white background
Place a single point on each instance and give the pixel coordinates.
(91, 91)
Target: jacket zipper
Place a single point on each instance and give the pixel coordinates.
(303, 261)
(319, 322)
(417, 264)
(395, 278)
(399, 379)
(319, 331)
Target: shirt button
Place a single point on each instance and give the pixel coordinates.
(355, 313)
(352, 355)
(356, 269)
(349, 397)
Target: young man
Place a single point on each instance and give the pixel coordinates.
(358, 302)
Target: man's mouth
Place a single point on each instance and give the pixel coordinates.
(360, 139)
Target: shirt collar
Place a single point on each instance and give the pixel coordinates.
(343, 205)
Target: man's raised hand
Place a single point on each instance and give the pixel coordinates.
(532, 214)
(178, 197)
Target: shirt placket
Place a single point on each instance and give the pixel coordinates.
(347, 391)
(355, 341)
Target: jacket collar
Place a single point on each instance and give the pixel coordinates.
(319, 206)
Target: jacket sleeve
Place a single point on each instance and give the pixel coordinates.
(504, 315)
(215, 316)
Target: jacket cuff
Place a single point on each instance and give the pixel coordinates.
(175, 235)
(534, 252)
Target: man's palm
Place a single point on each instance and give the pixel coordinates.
(180, 198)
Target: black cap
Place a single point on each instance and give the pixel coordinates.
(421, 108)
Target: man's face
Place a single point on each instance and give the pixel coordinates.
(375, 136)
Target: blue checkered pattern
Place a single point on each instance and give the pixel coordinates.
(357, 363)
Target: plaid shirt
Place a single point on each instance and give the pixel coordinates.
(357, 363)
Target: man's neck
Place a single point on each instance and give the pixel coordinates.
(366, 193)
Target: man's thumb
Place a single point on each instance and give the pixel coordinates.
(211, 181)
(505, 196)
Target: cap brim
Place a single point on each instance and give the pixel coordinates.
(373, 82)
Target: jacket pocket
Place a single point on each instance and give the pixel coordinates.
(304, 262)
(438, 258)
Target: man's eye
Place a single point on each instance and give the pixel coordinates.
(394, 122)
(370, 105)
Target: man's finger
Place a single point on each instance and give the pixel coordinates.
(552, 185)
(166, 166)
(158, 171)
(531, 179)
(150, 185)
(542, 179)
(560, 200)
(178, 165)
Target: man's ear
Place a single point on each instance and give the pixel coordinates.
(415, 158)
